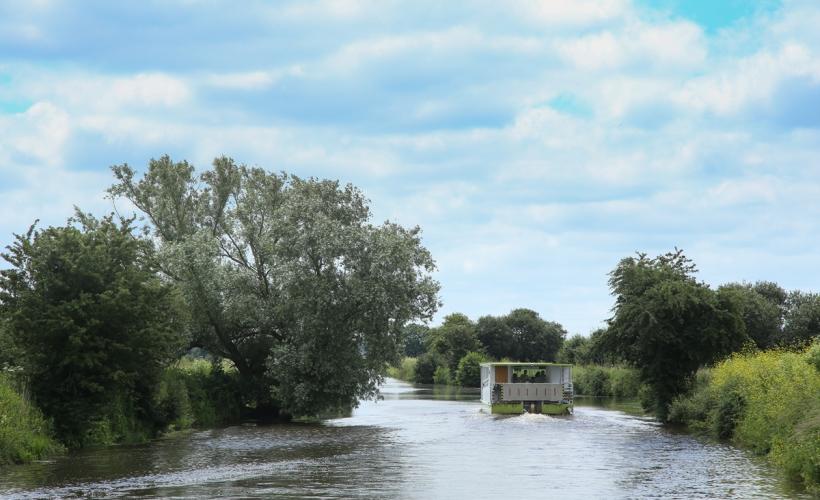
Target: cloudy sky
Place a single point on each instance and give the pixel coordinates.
(535, 142)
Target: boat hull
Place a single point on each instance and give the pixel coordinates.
(517, 408)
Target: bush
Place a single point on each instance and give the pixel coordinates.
(813, 355)
(198, 393)
(766, 401)
(469, 370)
(405, 371)
(426, 368)
(24, 433)
(442, 376)
(606, 381)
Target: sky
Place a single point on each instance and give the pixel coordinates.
(536, 143)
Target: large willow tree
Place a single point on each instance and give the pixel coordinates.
(286, 277)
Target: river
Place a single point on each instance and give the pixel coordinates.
(415, 443)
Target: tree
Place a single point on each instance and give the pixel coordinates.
(802, 321)
(95, 325)
(496, 336)
(468, 373)
(534, 338)
(762, 316)
(415, 339)
(576, 350)
(667, 324)
(286, 277)
(426, 367)
(453, 339)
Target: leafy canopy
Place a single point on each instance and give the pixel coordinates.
(668, 324)
(285, 276)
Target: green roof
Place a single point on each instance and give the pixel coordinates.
(522, 363)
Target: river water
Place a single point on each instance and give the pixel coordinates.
(415, 443)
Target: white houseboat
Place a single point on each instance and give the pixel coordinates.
(513, 388)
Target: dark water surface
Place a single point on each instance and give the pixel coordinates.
(416, 443)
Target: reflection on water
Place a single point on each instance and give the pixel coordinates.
(416, 442)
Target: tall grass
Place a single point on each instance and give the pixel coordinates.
(767, 401)
(24, 433)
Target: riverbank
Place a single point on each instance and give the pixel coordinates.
(24, 433)
(192, 393)
(768, 402)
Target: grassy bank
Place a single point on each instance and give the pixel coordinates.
(192, 393)
(24, 433)
(766, 401)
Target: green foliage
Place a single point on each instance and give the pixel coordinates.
(414, 337)
(575, 350)
(94, 324)
(521, 335)
(442, 376)
(454, 339)
(606, 381)
(406, 370)
(667, 324)
(767, 401)
(425, 368)
(24, 433)
(813, 354)
(802, 320)
(468, 373)
(761, 309)
(286, 277)
(198, 393)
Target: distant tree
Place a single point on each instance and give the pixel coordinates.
(496, 336)
(534, 338)
(469, 369)
(453, 339)
(426, 367)
(576, 350)
(762, 316)
(667, 324)
(415, 339)
(286, 277)
(94, 323)
(802, 322)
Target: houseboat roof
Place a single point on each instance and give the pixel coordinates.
(522, 363)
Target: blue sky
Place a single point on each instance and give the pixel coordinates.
(535, 142)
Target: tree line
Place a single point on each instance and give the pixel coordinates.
(451, 353)
(665, 323)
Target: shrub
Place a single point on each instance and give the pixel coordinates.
(198, 393)
(813, 354)
(405, 371)
(606, 381)
(767, 401)
(442, 376)
(426, 368)
(469, 370)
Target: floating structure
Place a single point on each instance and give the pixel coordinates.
(515, 388)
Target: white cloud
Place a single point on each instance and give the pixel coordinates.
(39, 134)
(572, 12)
(676, 45)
